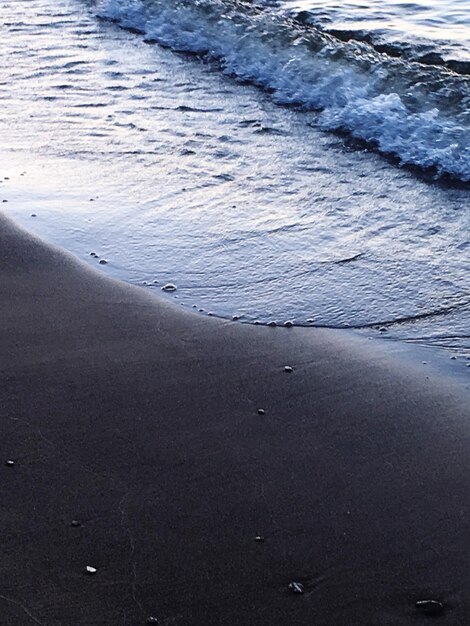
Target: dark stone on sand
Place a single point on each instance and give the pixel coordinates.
(75, 523)
(288, 369)
(310, 320)
(383, 329)
(33, 215)
(235, 318)
(169, 287)
(92, 199)
(272, 324)
(9, 463)
(296, 587)
(429, 607)
(288, 324)
(103, 262)
(4, 200)
(261, 411)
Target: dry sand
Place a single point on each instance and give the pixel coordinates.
(140, 421)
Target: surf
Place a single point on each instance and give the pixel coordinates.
(418, 113)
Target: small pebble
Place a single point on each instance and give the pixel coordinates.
(155, 282)
(429, 607)
(235, 318)
(272, 324)
(425, 362)
(92, 199)
(296, 587)
(310, 320)
(152, 620)
(210, 314)
(453, 358)
(103, 261)
(75, 523)
(288, 324)
(259, 538)
(468, 364)
(9, 463)
(261, 411)
(383, 329)
(169, 287)
(288, 368)
(7, 178)
(4, 200)
(90, 570)
(94, 255)
(201, 310)
(33, 215)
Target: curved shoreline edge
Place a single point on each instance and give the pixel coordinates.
(139, 421)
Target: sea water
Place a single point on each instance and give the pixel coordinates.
(305, 161)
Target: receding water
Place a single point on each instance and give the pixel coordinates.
(177, 172)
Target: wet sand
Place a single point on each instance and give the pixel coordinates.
(139, 451)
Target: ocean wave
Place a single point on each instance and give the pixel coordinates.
(418, 113)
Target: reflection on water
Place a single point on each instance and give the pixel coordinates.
(446, 23)
(175, 173)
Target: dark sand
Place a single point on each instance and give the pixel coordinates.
(140, 421)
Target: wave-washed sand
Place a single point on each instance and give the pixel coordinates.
(139, 450)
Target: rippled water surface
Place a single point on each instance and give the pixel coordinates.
(441, 26)
(174, 171)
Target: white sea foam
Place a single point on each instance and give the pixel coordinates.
(208, 185)
(419, 114)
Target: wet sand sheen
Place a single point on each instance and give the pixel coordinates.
(159, 464)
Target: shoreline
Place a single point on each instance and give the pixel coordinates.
(73, 224)
(139, 420)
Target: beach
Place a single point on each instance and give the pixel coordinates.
(234, 313)
(139, 450)
(220, 171)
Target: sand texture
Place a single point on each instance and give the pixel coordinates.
(139, 451)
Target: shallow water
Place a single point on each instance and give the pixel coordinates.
(175, 172)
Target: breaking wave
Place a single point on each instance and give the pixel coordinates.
(416, 112)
